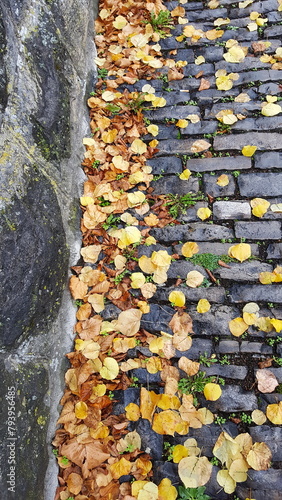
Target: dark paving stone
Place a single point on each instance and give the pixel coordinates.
(260, 184)
(269, 88)
(213, 295)
(200, 128)
(270, 159)
(256, 293)
(220, 163)
(255, 347)
(216, 248)
(150, 440)
(263, 230)
(199, 346)
(248, 63)
(144, 377)
(192, 232)
(262, 123)
(157, 319)
(148, 250)
(207, 436)
(191, 214)
(231, 371)
(180, 146)
(261, 140)
(172, 184)
(245, 108)
(245, 271)
(171, 112)
(274, 251)
(275, 31)
(194, 69)
(214, 322)
(233, 398)
(180, 268)
(228, 347)
(212, 188)
(166, 165)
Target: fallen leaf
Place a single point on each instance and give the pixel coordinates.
(194, 471)
(237, 327)
(274, 413)
(212, 392)
(74, 483)
(249, 150)
(226, 481)
(258, 417)
(241, 251)
(203, 306)
(166, 490)
(223, 180)
(259, 457)
(194, 279)
(266, 381)
(189, 249)
(177, 298)
(200, 145)
(188, 366)
(110, 369)
(204, 213)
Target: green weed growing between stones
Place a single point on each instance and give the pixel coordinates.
(192, 493)
(179, 204)
(161, 20)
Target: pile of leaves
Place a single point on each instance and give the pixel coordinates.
(95, 450)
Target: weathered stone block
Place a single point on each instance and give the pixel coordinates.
(219, 163)
(213, 189)
(270, 159)
(233, 398)
(245, 271)
(263, 230)
(260, 184)
(192, 232)
(172, 184)
(263, 140)
(231, 210)
(256, 293)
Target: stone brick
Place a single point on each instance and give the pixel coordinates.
(255, 347)
(231, 371)
(245, 271)
(216, 248)
(213, 295)
(185, 55)
(172, 184)
(275, 30)
(272, 436)
(274, 251)
(248, 63)
(262, 123)
(200, 128)
(212, 188)
(157, 319)
(173, 147)
(191, 213)
(234, 399)
(263, 230)
(269, 88)
(166, 165)
(220, 163)
(231, 210)
(207, 436)
(171, 112)
(180, 268)
(260, 184)
(148, 250)
(228, 347)
(206, 15)
(194, 69)
(256, 293)
(237, 142)
(192, 232)
(271, 159)
(199, 346)
(214, 322)
(246, 109)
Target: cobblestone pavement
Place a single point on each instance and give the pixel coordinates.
(231, 221)
(228, 288)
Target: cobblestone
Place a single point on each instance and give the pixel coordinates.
(234, 399)
(260, 184)
(246, 271)
(261, 140)
(195, 232)
(212, 188)
(263, 230)
(271, 159)
(223, 163)
(256, 293)
(231, 210)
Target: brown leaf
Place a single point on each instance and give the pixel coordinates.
(74, 483)
(266, 363)
(204, 85)
(266, 381)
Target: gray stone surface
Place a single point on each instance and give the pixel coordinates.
(263, 230)
(272, 436)
(172, 184)
(231, 371)
(245, 271)
(256, 293)
(255, 347)
(192, 232)
(167, 165)
(262, 140)
(271, 159)
(259, 184)
(213, 295)
(231, 210)
(219, 163)
(216, 248)
(214, 322)
(274, 251)
(213, 189)
(47, 67)
(228, 347)
(180, 268)
(234, 399)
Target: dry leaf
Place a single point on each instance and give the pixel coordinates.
(194, 471)
(266, 381)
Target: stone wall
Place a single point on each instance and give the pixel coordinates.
(46, 70)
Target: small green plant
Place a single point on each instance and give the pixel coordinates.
(103, 202)
(206, 360)
(70, 498)
(192, 493)
(113, 108)
(277, 360)
(102, 73)
(196, 383)
(236, 173)
(246, 419)
(270, 304)
(273, 340)
(96, 164)
(161, 20)
(206, 260)
(134, 382)
(219, 420)
(222, 128)
(137, 104)
(65, 460)
(111, 395)
(179, 204)
(55, 452)
(118, 279)
(120, 176)
(205, 283)
(111, 221)
(224, 360)
(214, 461)
(78, 302)
(168, 450)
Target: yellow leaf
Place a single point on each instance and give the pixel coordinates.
(89, 348)
(159, 102)
(91, 253)
(259, 457)
(129, 235)
(241, 252)
(205, 416)
(128, 322)
(139, 147)
(154, 365)
(258, 417)
(136, 198)
(148, 492)
(86, 200)
(177, 298)
(235, 54)
(188, 366)
(204, 213)
(184, 176)
(148, 290)
(168, 402)
(264, 324)
(212, 391)
(220, 21)
(274, 413)
(151, 220)
(166, 490)
(81, 410)
(259, 206)
(237, 327)
(120, 22)
(271, 109)
(223, 180)
(194, 471)
(110, 136)
(192, 447)
(238, 470)
(194, 279)
(200, 145)
(179, 452)
(165, 423)
(110, 369)
(203, 306)
(266, 278)
(97, 302)
(189, 249)
(137, 280)
(132, 412)
(154, 143)
(153, 129)
(182, 123)
(120, 468)
(108, 95)
(200, 60)
(225, 481)
(161, 258)
(120, 163)
(276, 208)
(250, 318)
(249, 150)
(277, 323)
